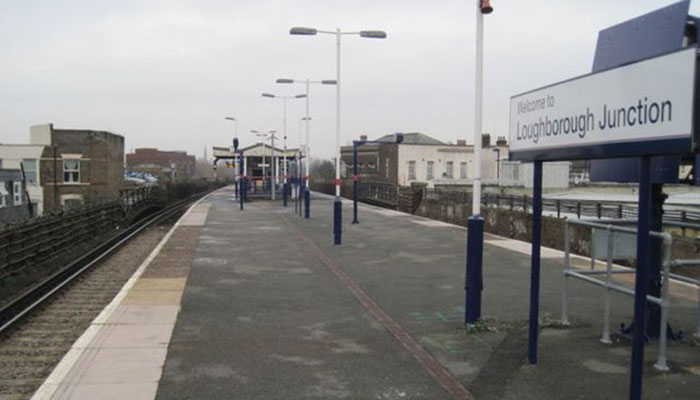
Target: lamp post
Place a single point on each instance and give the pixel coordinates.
(307, 83)
(337, 207)
(235, 156)
(284, 133)
(475, 223)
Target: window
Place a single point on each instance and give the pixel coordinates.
(449, 170)
(386, 167)
(17, 192)
(30, 171)
(3, 194)
(71, 171)
(463, 170)
(411, 170)
(429, 171)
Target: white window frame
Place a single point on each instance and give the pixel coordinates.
(450, 169)
(3, 194)
(71, 172)
(17, 192)
(411, 170)
(462, 170)
(35, 171)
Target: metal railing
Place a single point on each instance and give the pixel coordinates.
(609, 286)
(562, 207)
(384, 193)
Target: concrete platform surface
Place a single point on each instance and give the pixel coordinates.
(271, 309)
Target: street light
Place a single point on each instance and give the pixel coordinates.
(284, 131)
(337, 207)
(307, 191)
(475, 223)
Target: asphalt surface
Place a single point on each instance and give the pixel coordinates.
(273, 310)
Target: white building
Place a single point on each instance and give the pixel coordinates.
(423, 159)
(13, 156)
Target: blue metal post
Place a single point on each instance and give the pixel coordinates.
(535, 261)
(307, 202)
(641, 277)
(285, 186)
(337, 220)
(355, 177)
(474, 280)
(242, 191)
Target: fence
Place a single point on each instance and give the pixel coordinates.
(560, 208)
(589, 276)
(37, 240)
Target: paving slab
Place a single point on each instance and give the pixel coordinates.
(273, 310)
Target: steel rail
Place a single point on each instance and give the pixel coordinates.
(39, 293)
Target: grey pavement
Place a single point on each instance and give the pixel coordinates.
(273, 310)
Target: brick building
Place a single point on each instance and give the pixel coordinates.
(67, 167)
(162, 163)
(78, 165)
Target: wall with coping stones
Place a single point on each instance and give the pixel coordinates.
(518, 225)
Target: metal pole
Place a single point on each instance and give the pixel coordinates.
(567, 267)
(478, 89)
(337, 206)
(236, 175)
(241, 180)
(641, 277)
(665, 303)
(475, 224)
(355, 177)
(273, 169)
(535, 271)
(284, 155)
(307, 190)
(606, 313)
(296, 184)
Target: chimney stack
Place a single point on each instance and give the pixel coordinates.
(501, 141)
(485, 140)
(363, 138)
(461, 142)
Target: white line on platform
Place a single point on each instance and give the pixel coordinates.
(59, 373)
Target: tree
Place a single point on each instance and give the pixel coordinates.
(322, 169)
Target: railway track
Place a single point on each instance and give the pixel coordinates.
(39, 327)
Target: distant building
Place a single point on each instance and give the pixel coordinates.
(13, 199)
(423, 159)
(68, 167)
(166, 165)
(555, 175)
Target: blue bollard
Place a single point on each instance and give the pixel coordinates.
(307, 203)
(242, 192)
(284, 193)
(474, 276)
(337, 220)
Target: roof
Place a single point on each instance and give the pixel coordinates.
(412, 138)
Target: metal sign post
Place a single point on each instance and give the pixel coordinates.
(535, 261)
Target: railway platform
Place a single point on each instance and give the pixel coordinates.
(259, 304)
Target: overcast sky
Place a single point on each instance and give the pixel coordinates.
(165, 73)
